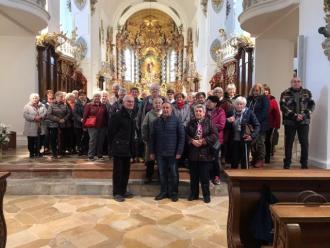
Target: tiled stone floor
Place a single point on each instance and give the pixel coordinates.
(82, 221)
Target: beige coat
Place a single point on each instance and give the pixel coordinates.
(30, 125)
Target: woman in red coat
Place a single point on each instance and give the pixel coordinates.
(274, 123)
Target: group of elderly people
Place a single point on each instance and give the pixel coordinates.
(169, 130)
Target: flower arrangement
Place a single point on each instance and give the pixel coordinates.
(4, 134)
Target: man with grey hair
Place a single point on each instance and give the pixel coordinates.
(121, 138)
(115, 88)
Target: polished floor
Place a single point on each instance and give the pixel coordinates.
(82, 221)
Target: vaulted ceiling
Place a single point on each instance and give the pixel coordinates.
(185, 9)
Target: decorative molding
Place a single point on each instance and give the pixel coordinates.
(80, 4)
(204, 6)
(228, 8)
(217, 5)
(93, 7)
(253, 8)
(326, 30)
(214, 49)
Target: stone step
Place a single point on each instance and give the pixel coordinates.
(79, 170)
(73, 186)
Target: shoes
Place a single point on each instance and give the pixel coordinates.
(259, 164)
(128, 195)
(100, 158)
(286, 167)
(174, 198)
(216, 180)
(207, 199)
(192, 198)
(55, 156)
(304, 167)
(161, 196)
(119, 198)
(91, 159)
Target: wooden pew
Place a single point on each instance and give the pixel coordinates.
(301, 226)
(244, 187)
(3, 228)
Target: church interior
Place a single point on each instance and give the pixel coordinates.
(184, 46)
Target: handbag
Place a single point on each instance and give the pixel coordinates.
(248, 129)
(90, 122)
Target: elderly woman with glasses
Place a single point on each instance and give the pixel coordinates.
(34, 127)
(201, 135)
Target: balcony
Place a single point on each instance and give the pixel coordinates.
(27, 15)
(260, 15)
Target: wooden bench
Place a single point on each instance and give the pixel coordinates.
(244, 187)
(301, 226)
(3, 228)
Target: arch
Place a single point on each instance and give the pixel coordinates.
(120, 18)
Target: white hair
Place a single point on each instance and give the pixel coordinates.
(97, 93)
(33, 95)
(199, 106)
(122, 91)
(75, 92)
(217, 89)
(154, 86)
(67, 97)
(157, 99)
(240, 99)
(231, 86)
(116, 86)
(104, 92)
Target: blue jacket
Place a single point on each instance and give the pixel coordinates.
(167, 137)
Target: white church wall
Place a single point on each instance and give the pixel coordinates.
(208, 31)
(18, 79)
(317, 69)
(274, 63)
(82, 20)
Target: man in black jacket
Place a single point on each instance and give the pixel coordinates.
(166, 145)
(296, 105)
(121, 137)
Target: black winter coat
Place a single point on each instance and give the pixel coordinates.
(210, 134)
(260, 107)
(121, 134)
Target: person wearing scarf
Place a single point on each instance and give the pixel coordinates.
(241, 120)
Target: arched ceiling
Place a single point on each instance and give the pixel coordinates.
(183, 9)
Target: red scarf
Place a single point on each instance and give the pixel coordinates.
(180, 104)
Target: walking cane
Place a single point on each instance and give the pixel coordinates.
(246, 155)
